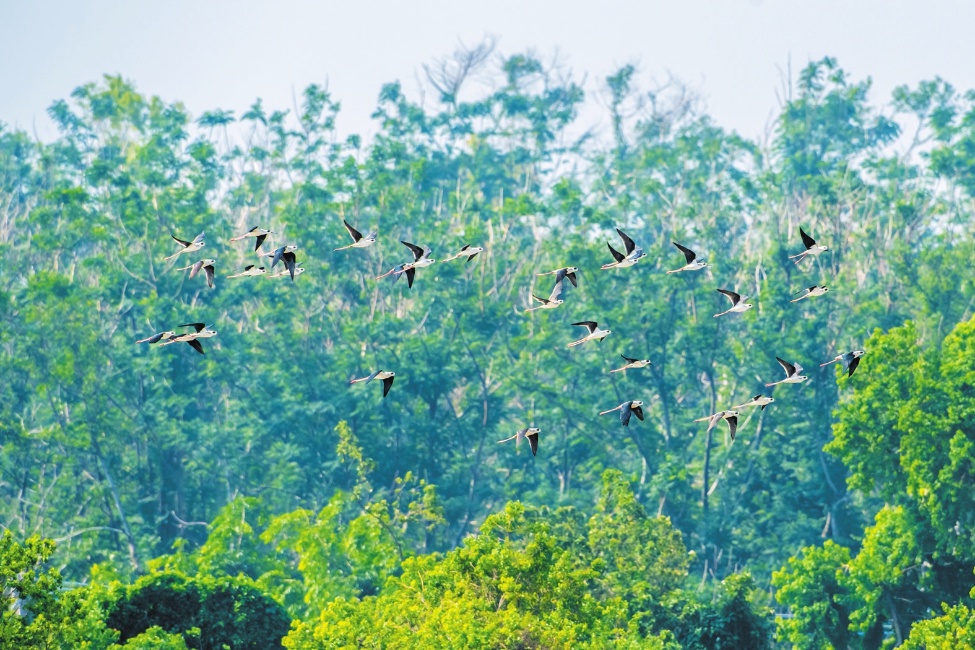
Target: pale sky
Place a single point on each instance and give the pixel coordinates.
(224, 54)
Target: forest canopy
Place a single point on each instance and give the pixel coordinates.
(288, 507)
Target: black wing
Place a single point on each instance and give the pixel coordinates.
(733, 425)
(208, 269)
(410, 272)
(417, 251)
(259, 240)
(628, 360)
(688, 253)
(181, 241)
(588, 324)
(572, 278)
(533, 442)
(627, 242)
(853, 366)
(278, 254)
(638, 411)
(248, 267)
(289, 262)
(469, 258)
(807, 241)
(618, 256)
(196, 345)
(788, 367)
(464, 248)
(625, 413)
(356, 235)
(735, 297)
(197, 326)
(387, 383)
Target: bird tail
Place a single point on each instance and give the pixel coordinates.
(173, 256)
(797, 299)
(611, 265)
(617, 370)
(674, 271)
(236, 238)
(143, 340)
(798, 255)
(508, 439)
(356, 381)
(579, 342)
(704, 419)
(721, 314)
(774, 383)
(345, 247)
(828, 362)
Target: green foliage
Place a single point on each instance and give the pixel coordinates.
(210, 613)
(258, 462)
(36, 613)
(535, 577)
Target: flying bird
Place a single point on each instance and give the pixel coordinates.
(398, 271)
(421, 255)
(758, 400)
(249, 271)
(201, 331)
(594, 333)
(811, 247)
(792, 375)
(691, 257)
(531, 434)
(850, 361)
(387, 378)
(631, 257)
(187, 246)
(731, 417)
(358, 241)
(260, 233)
(633, 363)
(632, 407)
(289, 263)
(280, 274)
(155, 338)
(811, 292)
(206, 266)
(553, 301)
(564, 272)
(737, 303)
(468, 250)
(278, 254)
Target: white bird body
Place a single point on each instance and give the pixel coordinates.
(187, 246)
(595, 334)
(693, 264)
(249, 271)
(810, 292)
(358, 240)
(738, 304)
(792, 375)
(632, 255)
(632, 364)
(758, 400)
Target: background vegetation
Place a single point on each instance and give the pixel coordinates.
(255, 476)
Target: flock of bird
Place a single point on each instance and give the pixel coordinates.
(630, 255)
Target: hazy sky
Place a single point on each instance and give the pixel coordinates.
(224, 54)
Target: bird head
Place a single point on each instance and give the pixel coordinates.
(202, 244)
(532, 430)
(608, 332)
(208, 261)
(802, 378)
(824, 248)
(748, 305)
(475, 249)
(858, 353)
(559, 301)
(392, 374)
(825, 289)
(770, 399)
(262, 269)
(635, 403)
(703, 264)
(571, 269)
